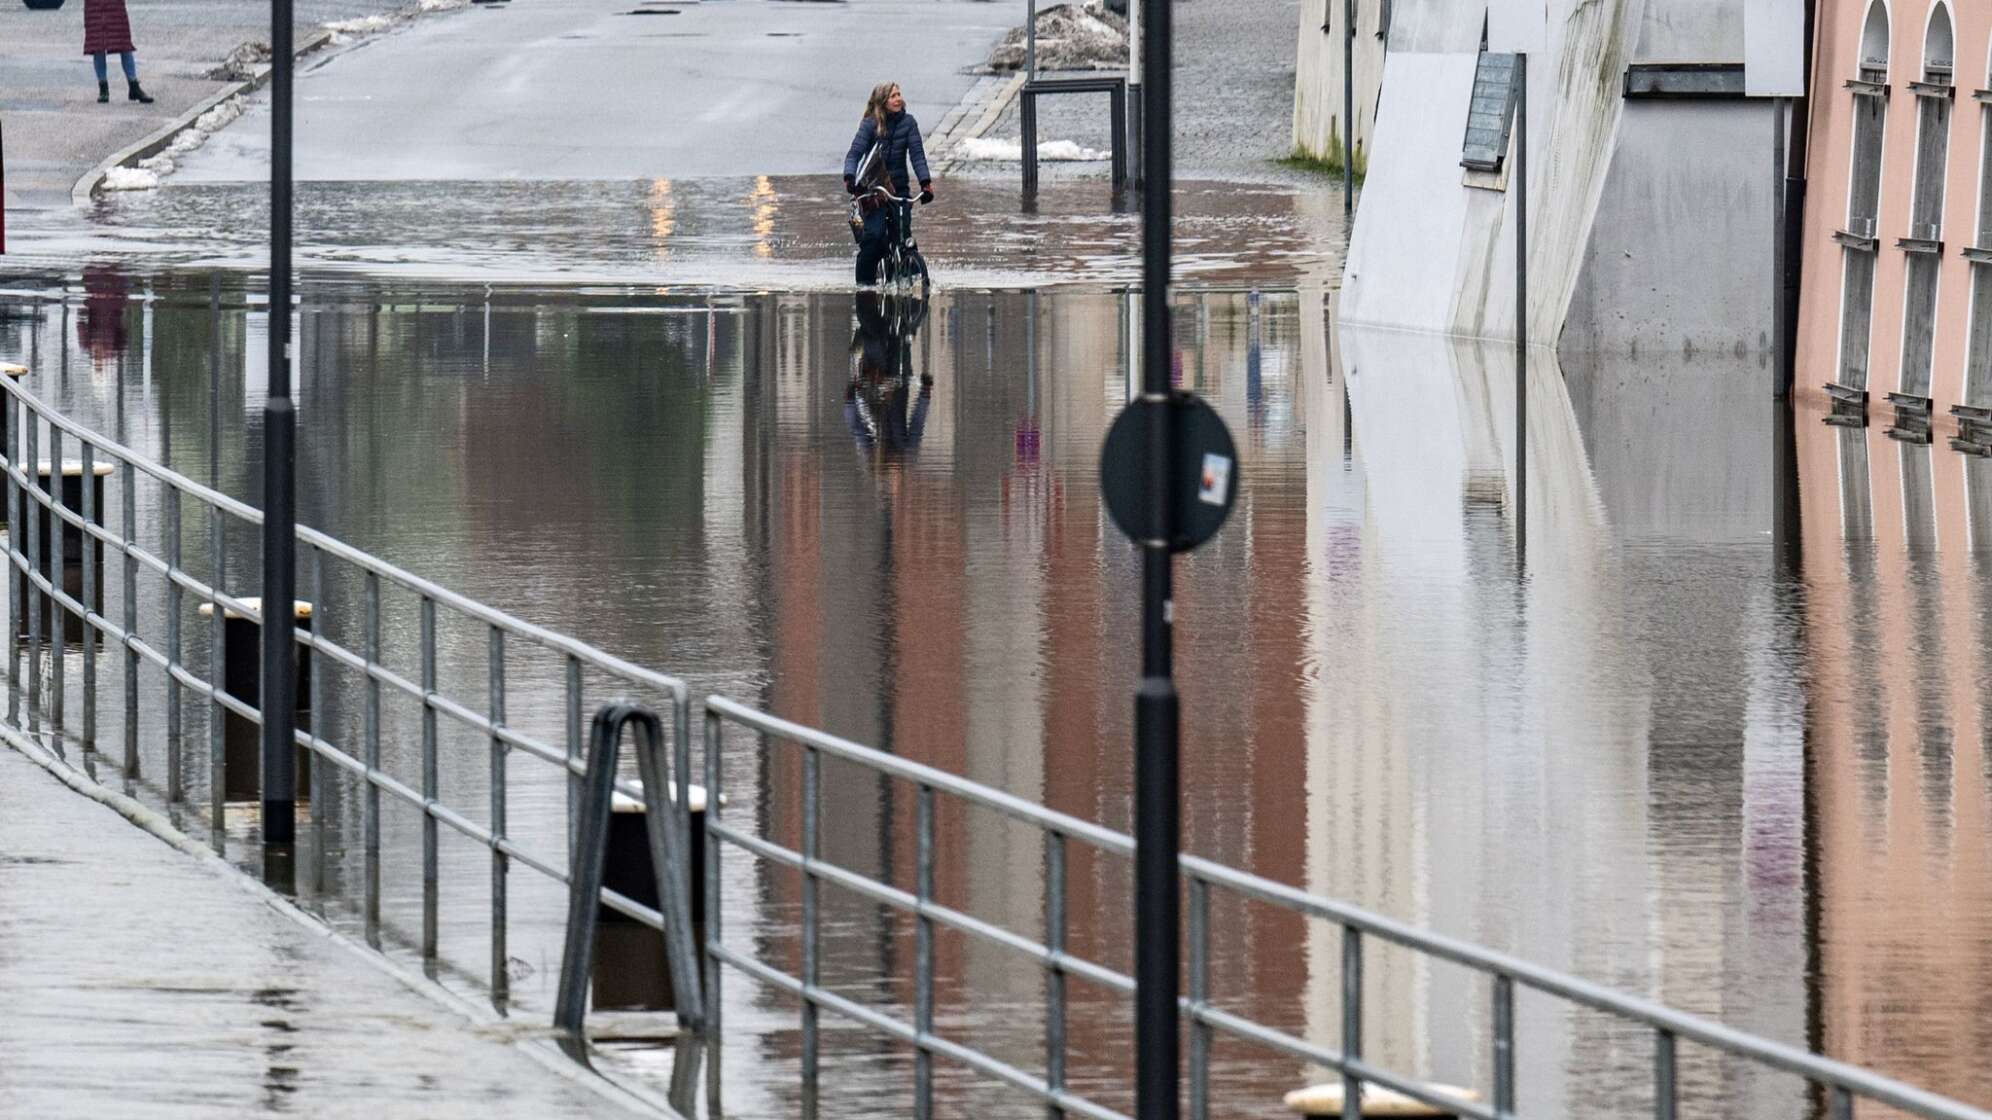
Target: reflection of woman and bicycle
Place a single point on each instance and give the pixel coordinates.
(884, 403)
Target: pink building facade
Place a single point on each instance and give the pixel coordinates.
(1896, 304)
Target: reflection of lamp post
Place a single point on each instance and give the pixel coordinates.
(279, 700)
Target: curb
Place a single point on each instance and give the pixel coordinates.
(980, 114)
(541, 1050)
(84, 193)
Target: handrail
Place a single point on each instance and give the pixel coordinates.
(112, 548)
(1844, 1081)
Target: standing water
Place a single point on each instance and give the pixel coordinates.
(1721, 743)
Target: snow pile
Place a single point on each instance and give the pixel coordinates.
(997, 149)
(130, 179)
(342, 29)
(1069, 37)
(241, 63)
(442, 5)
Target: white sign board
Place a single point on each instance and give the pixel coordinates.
(1773, 48)
(1517, 26)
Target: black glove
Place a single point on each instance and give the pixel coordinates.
(926, 193)
(850, 185)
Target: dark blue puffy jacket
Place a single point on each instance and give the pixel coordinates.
(902, 143)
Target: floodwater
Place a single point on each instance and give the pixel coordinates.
(1717, 735)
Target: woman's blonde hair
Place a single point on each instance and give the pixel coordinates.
(875, 107)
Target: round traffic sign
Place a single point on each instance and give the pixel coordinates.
(1204, 472)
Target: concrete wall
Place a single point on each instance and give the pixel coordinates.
(1681, 255)
(1430, 252)
(1634, 206)
(1317, 85)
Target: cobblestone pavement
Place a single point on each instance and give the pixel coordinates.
(1233, 98)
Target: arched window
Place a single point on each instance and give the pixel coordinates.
(1924, 243)
(1859, 238)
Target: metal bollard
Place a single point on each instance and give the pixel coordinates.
(71, 579)
(631, 973)
(242, 678)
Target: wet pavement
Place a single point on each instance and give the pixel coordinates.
(569, 90)
(784, 232)
(1716, 735)
(142, 982)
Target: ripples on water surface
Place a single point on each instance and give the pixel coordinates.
(1723, 745)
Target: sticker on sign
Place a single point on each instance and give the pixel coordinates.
(1216, 479)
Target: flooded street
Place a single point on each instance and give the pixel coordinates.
(1716, 736)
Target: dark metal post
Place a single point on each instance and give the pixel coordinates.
(1348, 115)
(1158, 826)
(1521, 182)
(1780, 360)
(279, 703)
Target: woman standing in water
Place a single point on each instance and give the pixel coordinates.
(107, 30)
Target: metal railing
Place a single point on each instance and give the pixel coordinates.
(39, 585)
(1842, 1084)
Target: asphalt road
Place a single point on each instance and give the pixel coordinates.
(590, 89)
(54, 128)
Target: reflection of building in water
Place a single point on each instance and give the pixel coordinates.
(972, 608)
(1900, 795)
(1584, 766)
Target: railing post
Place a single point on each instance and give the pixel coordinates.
(15, 552)
(217, 711)
(129, 502)
(812, 784)
(501, 985)
(431, 871)
(176, 782)
(58, 621)
(1504, 1046)
(714, 911)
(370, 796)
(321, 806)
(923, 959)
(1663, 1075)
(1352, 1021)
(34, 565)
(574, 783)
(86, 632)
(1200, 1033)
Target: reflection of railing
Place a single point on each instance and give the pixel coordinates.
(62, 580)
(1841, 1083)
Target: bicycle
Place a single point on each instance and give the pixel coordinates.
(902, 261)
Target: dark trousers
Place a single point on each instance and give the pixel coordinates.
(871, 246)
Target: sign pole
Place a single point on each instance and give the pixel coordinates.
(1157, 812)
(279, 699)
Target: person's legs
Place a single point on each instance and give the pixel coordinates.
(871, 247)
(103, 76)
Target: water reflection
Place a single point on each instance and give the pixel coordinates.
(1723, 745)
